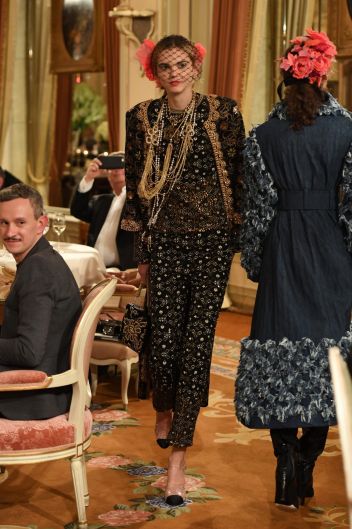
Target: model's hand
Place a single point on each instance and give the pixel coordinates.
(143, 271)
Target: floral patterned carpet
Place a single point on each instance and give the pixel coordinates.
(230, 472)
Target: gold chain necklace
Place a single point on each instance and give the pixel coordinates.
(154, 177)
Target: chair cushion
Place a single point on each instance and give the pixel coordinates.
(111, 349)
(42, 434)
(22, 376)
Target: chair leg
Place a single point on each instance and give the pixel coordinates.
(79, 483)
(85, 483)
(94, 377)
(125, 368)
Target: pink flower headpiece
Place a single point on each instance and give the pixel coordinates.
(310, 57)
(144, 56)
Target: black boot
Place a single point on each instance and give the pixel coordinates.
(305, 479)
(286, 445)
(286, 494)
(312, 444)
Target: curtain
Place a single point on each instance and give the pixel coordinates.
(267, 43)
(112, 74)
(295, 16)
(8, 11)
(231, 20)
(40, 95)
(64, 101)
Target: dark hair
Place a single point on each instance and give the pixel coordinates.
(302, 99)
(24, 191)
(176, 41)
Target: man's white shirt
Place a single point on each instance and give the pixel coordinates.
(106, 241)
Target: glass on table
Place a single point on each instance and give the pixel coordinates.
(59, 226)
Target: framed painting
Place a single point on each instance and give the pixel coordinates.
(77, 36)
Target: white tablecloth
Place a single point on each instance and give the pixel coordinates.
(84, 262)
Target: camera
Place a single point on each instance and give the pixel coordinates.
(112, 161)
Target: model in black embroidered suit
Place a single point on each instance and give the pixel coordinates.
(183, 172)
(297, 243)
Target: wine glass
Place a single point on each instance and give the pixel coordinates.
(59, 226)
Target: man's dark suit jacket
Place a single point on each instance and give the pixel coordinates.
(9, 179)
(94, 210)
(40, 314)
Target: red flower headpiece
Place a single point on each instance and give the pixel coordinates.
(144, 57)
(310, 57)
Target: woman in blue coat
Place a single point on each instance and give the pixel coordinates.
(297, 243)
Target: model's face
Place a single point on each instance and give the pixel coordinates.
(175, 71)
(19, 229)
(116, 178)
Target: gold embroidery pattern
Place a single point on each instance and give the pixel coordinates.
(225, 184)
(131, 225)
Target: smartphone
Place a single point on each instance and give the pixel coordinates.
(112, 161)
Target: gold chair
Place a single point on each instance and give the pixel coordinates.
(112, 352)
(342, 385)
(64, 436)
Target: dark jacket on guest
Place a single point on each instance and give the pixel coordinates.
(9, 178)
(40, 315)
(94, 210)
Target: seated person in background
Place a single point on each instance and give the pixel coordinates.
(41, 310)
(104, 213)
(7, 179)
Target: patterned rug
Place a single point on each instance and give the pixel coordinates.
(230, 472)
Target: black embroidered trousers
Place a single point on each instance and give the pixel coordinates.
(188, 277)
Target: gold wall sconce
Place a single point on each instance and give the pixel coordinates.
(135, 24)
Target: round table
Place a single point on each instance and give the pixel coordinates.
(85, 262)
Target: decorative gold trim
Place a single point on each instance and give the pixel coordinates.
(142, 113)
(131, 225)
(224, 179)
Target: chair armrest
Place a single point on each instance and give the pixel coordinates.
(25, 380)
(67, 378)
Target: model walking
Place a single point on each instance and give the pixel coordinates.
(183, 172)
(297, 242)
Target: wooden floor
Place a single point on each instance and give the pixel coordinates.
(233, 325)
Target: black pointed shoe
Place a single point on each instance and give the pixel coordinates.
(163, 443)
(162, 428)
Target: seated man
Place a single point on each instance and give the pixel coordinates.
(41, 310)
(104, 213)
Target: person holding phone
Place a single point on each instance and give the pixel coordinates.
(104, 212)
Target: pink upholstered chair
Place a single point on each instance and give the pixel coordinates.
(64, 436)
(106, 352)
(342, 384)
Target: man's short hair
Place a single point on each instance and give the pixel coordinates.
(24, 191)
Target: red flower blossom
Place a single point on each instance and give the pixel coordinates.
(310, 57)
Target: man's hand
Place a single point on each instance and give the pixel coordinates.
(94, 171)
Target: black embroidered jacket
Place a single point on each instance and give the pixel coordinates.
(208, 193)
